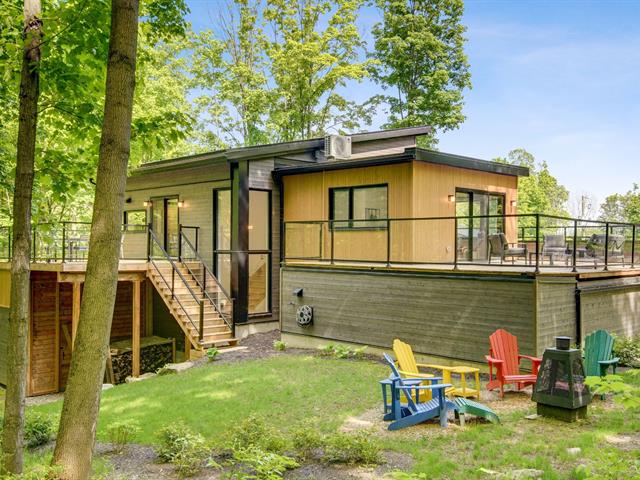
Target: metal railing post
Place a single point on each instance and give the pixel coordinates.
(537, 243)
(173, 281)
(606, 247)
(633, 245)
(64, 241)
(149, 248)
(201, 332)
(575, 245)
(197, 230)
(180, 242)
(455, 245)
(388, 242)
(332, 228)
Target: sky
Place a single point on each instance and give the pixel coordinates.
(559, 78)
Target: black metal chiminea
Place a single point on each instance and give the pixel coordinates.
(560, 391)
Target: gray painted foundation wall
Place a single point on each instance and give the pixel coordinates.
(449, 317)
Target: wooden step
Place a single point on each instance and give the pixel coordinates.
(225, 342)
(208, 329)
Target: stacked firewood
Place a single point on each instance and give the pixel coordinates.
(152, 357)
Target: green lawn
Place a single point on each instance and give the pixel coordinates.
(288, 389)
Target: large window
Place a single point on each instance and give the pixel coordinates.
(359, 207)
(474, 227)
(259, 246)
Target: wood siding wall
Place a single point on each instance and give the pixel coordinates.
(434, 241)
(556, 310)
(440, 316)
(415, 189)
(4, 337)
(194, 186)
(614, 307)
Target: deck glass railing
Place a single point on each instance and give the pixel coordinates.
(531, 241)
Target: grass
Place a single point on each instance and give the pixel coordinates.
(286, 390)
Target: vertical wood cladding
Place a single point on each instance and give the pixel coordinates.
(48, 341)
(556, 310)
(442, 316)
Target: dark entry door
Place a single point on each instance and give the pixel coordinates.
(165, 223)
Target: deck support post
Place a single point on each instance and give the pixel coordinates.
(135, 331)
(75, 310)
(187, 348)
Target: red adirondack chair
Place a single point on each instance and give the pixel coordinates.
(504, 357)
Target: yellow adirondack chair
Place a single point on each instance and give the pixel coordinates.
(408, 368)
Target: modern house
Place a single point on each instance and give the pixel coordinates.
(356, 239)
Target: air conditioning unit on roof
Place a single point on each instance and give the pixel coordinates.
(337, 147)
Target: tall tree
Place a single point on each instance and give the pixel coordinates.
(313, 52)
(13, 424)
(540, 192)
(74, 446)
(419, 48)
(230, 71)
(622, 207)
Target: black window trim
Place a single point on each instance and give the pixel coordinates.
(351, 225)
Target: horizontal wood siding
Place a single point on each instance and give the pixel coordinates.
(4, 337)
(194, 187)
(615, 310)
(446, 317)
(556, 310)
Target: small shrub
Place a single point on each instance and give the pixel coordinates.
(122, 433)
(327, 350)
(352, 449)
(358, 353)
(39, 472)
(254, 463)
(212, 354)
(279, 345)
(38, 429)
(339, 350)
(625, 390)
(628, 350)
(183, 448)
(306, 440)
(253, 431)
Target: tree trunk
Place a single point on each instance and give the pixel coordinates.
(76, 436)
(17, 351)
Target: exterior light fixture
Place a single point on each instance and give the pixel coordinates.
(513, 203)
(180, 203)
(452, 198)
(147, 203)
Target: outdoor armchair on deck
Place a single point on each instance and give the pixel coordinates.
(500, 247)
(596, 245)
(554, 247)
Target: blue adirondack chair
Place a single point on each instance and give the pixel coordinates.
(412, 412)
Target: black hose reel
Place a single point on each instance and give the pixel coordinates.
(304, 315)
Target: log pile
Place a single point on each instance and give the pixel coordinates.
(155, 352)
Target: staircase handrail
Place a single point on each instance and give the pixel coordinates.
(175, 269)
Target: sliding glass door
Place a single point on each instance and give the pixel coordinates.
(474, 228)
(165, 223)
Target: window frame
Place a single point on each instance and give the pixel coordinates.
(138, 227)
(350, 223)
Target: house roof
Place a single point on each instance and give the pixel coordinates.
(410, 154)
(270, 150)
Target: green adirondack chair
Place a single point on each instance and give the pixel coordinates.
(598, 354)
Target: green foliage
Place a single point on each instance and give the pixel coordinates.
(181, 447)
(338, 350)
(624, 388)
(306, 440)
(253, 430)
(622, 207)
(353, 449)
(397, 475)
(40, 472)
(628, 350)
(38, 429)
(419, 49)
(540, 192)
(122, 433)
(212, 353)
(279, 345)
(252, 462)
